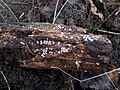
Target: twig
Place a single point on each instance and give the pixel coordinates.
(60, 11)
(105, 20)
(118, 3)
(21, 15)
(23, 3)
(110, 3)
(101, 75)
(9, 10)
(2, 17)
(87, 78)
(111, 81)
(67, 73)
(55, 11)
(30, 12)
(5, 80)
(108, 32)
(1, 6)
(71, 84)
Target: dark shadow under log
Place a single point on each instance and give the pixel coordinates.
(52, 45)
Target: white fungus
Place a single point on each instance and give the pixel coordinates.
(41, 42)
(98, 64)
(88, 38)
(22, 43)
(14, 37)
(71, 37)
(70, 29)
(37, 42)
(62, 27)
(45, 42)
(63, 49)
(45, 51)
(53, 42)
(58, 43)
(77, 63)
(59, 27)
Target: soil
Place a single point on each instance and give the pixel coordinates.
(76, 12)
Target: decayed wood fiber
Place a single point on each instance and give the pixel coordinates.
(52, 45)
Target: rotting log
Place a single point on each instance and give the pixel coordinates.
(43, 46)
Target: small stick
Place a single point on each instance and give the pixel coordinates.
(118, 3)
(111, 81)
(21, 15)
(108, 32)
(60, 11)
(2, 17)
(5, 80)
(87, 78)
(105, 20)
(10, 10)
(67, 73)
(55, 11)
(23, 3)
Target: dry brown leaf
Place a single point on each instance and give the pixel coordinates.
(114, 76)
(94, 9)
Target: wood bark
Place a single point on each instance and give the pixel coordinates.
(43, 46)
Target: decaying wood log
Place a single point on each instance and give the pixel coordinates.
(52, 45)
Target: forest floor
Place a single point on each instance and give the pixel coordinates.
(75, 12)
